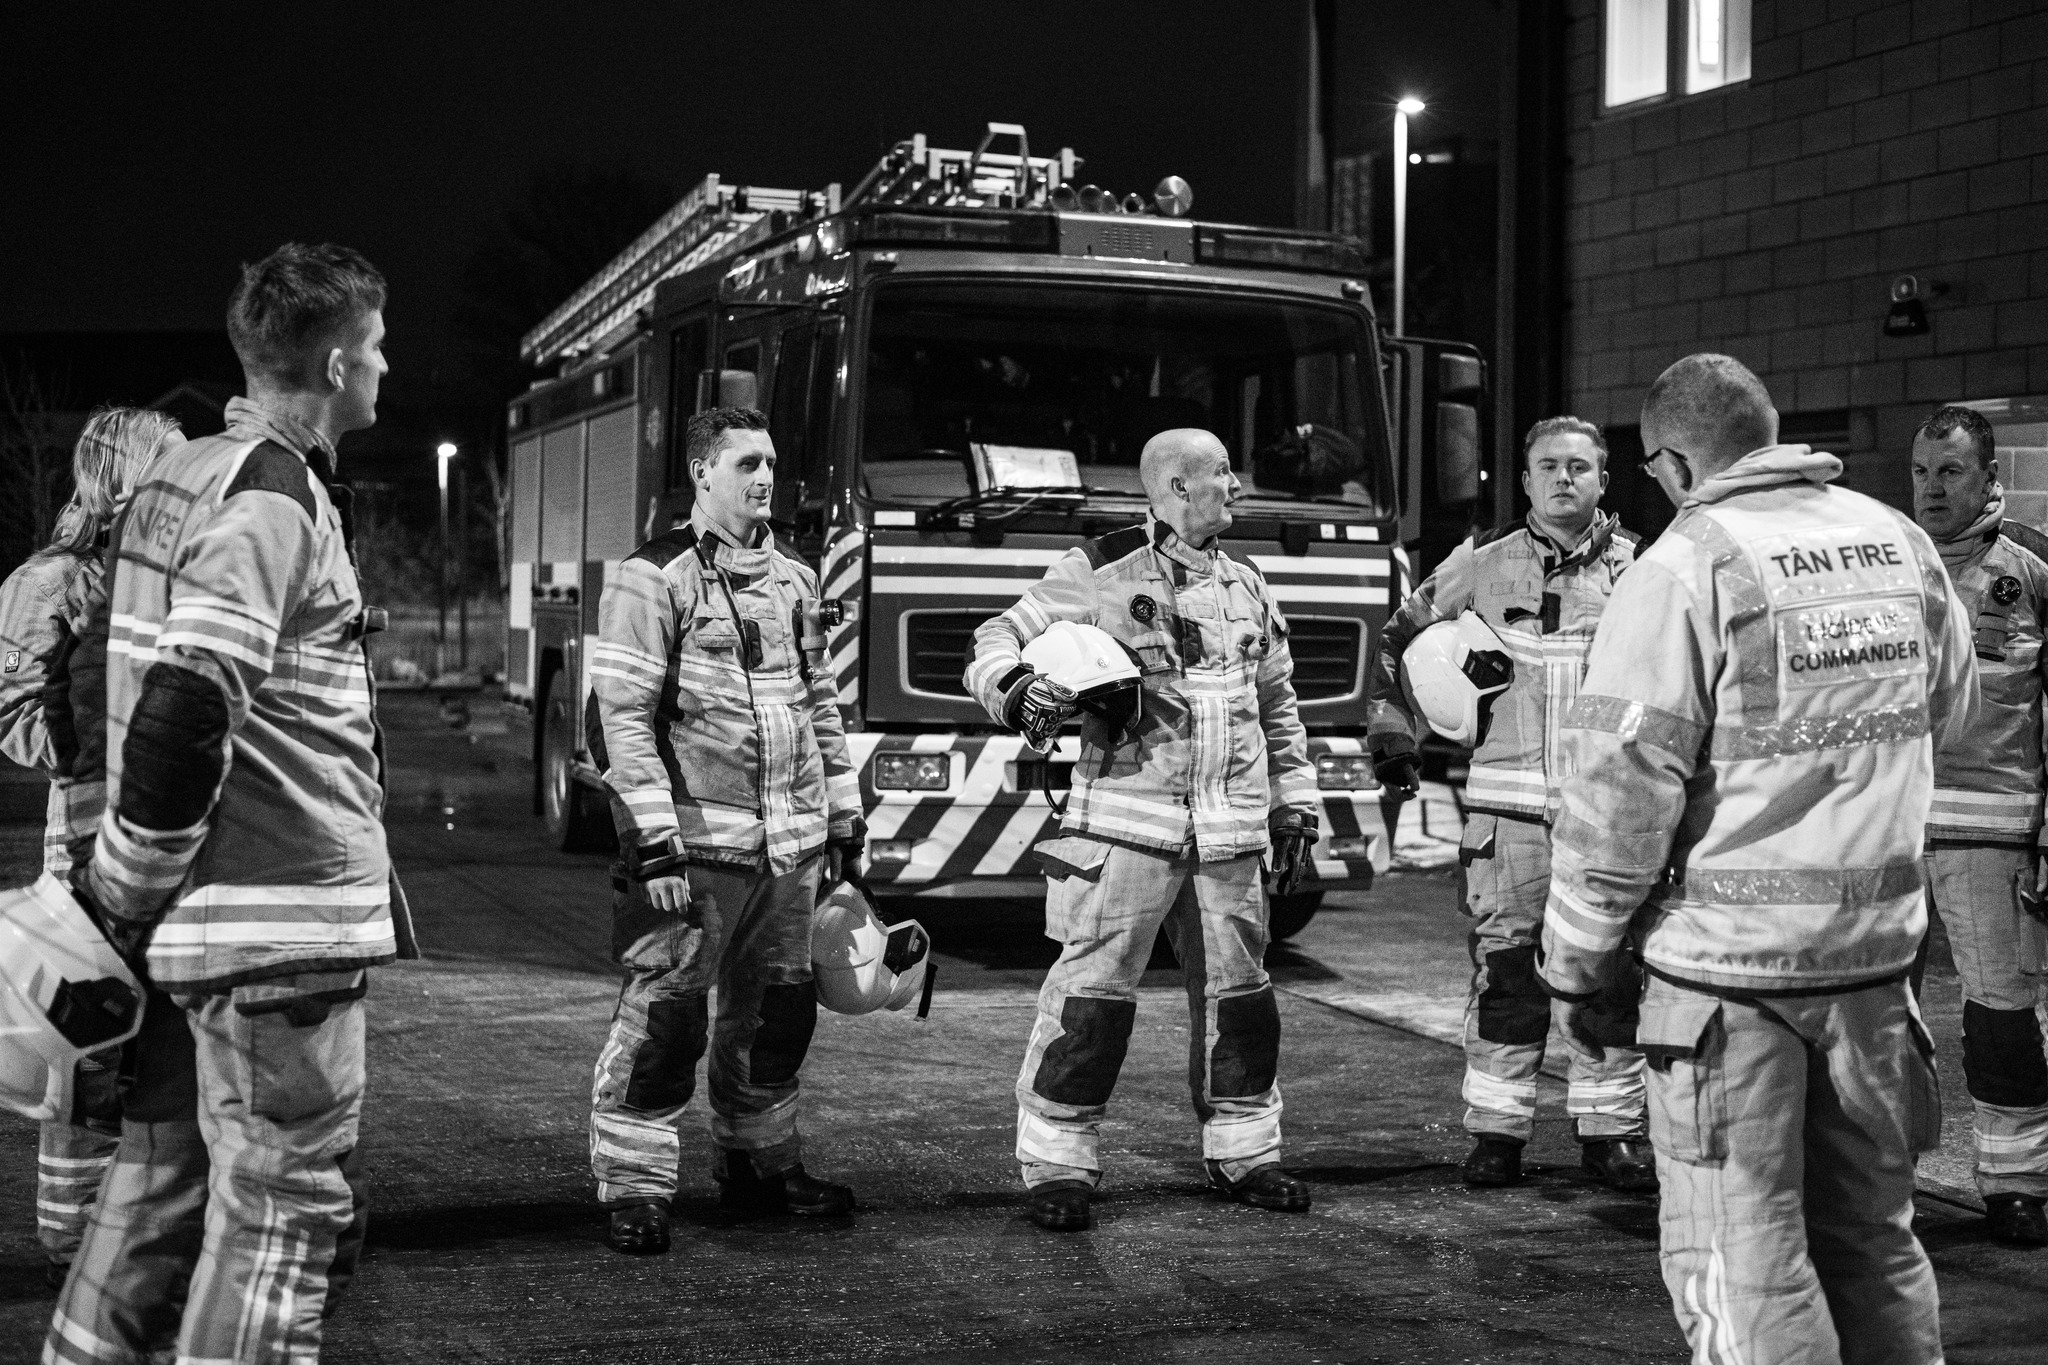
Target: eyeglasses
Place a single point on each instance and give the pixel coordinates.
(1647, 463)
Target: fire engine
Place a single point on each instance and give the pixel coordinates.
(960, 360)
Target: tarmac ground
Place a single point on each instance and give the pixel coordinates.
(486, 1243)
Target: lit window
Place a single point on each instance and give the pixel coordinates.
(1711, 47)
(1716, 43)
(1638, 49)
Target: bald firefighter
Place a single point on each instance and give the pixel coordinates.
(1168, 821)
(1542, 585)
(240, 859)
(733, 795)
(1983, 862)
(1750, 765)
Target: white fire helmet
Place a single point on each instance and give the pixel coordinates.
(64, 993)
(1452, 672)
(1094, 665)
(860, 965)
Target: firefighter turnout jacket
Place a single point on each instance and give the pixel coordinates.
(1544, 603)
(1219, 743)
(1987, 786)
(45, 606)
(1750, 758)
(720, 717)
(244, 768)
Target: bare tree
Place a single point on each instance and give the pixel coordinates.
(35, 461)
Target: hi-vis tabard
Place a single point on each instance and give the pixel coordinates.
(1750, 749)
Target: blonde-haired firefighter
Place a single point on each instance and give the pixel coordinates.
(46, 606)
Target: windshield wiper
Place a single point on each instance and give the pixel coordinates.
(1326, 499)
(947, 515)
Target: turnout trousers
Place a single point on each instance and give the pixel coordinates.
(1507, 1014)
(1999, 952)
(1104, 905)
(748, 934)
(1785, 1130)
(72, 1157)
(231, 1217)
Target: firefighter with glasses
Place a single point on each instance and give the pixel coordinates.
(1983, 861)
(1189, 777)
(726, 756)
(1539, 586)
(1751, 767)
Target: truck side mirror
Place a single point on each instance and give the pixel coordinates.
(1457, 453)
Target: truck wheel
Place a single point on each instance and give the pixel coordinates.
(576, 818)
(1288, 915)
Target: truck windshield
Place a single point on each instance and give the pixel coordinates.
(1043, 372)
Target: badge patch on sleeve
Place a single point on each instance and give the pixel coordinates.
(1851, 642)
(13, 664)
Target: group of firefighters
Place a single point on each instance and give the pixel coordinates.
(1715, 781)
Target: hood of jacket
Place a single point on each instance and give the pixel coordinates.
(1767, 468)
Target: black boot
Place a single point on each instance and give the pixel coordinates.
(1624, 1164)
(639, 1229)
(2017, 1219)
(1060, 1205)
(790, 1191)
(1494, 1161)
(1266, 1187)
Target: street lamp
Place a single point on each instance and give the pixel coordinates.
(1403, 111)
(445, 452)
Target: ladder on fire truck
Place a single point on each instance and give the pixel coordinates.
(716, 219)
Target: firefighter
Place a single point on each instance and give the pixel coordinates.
(1750, 765)
(240, 859)
(1170, 815)
(1542, 584)
(44, 609)
(733, 795)
(1982, 862)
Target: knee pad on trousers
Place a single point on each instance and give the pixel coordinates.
(665, 1066)
(1080, 1066)
(2002, 1059)
(1513, 1008)
(789, 1014)
(1247, 1052)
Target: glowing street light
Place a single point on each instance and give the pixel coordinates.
(1403, 111)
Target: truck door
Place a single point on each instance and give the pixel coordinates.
(800, 423)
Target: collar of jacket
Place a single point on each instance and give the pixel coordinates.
(1974, 538)
(1768, 468)
(1168, 542)
(1591, 545)
(249, 420)
(749, 560)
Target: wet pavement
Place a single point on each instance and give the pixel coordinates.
(486, 1243)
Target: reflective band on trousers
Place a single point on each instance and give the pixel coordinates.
(1796, 886)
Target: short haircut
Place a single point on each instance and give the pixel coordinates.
(290, 307)
(703, 433)
(1716, 401)
(1565, 426)
(1947, 421)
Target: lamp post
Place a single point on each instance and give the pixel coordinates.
(444, 453)
(1402, 112)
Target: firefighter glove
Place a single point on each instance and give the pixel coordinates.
(1399, 769)
(843, 851)
(1294, 839)
(1038, 707)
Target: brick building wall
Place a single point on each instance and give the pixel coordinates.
(1768, 219)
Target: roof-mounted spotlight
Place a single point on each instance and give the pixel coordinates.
(1173, 197)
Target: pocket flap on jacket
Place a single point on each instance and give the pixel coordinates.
(714, 632)
(1671, 1028)
(1072, 856)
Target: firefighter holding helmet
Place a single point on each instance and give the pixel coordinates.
(732, 792)
(1494, 643)
(1193, 768)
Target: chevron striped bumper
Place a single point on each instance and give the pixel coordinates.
(975, 837)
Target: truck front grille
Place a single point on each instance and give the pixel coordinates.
(1326, 656)
(935, 649)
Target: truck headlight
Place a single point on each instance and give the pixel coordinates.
(1344, 772)
(912, 772)
(891, 850)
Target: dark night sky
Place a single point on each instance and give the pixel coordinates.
(152, 148)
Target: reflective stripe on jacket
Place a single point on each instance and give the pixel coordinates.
(44, 607)
(721, 721)
(1220, 742)
(1751, 755)
(231, 562)
(1987, 785)
(1544, 604)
